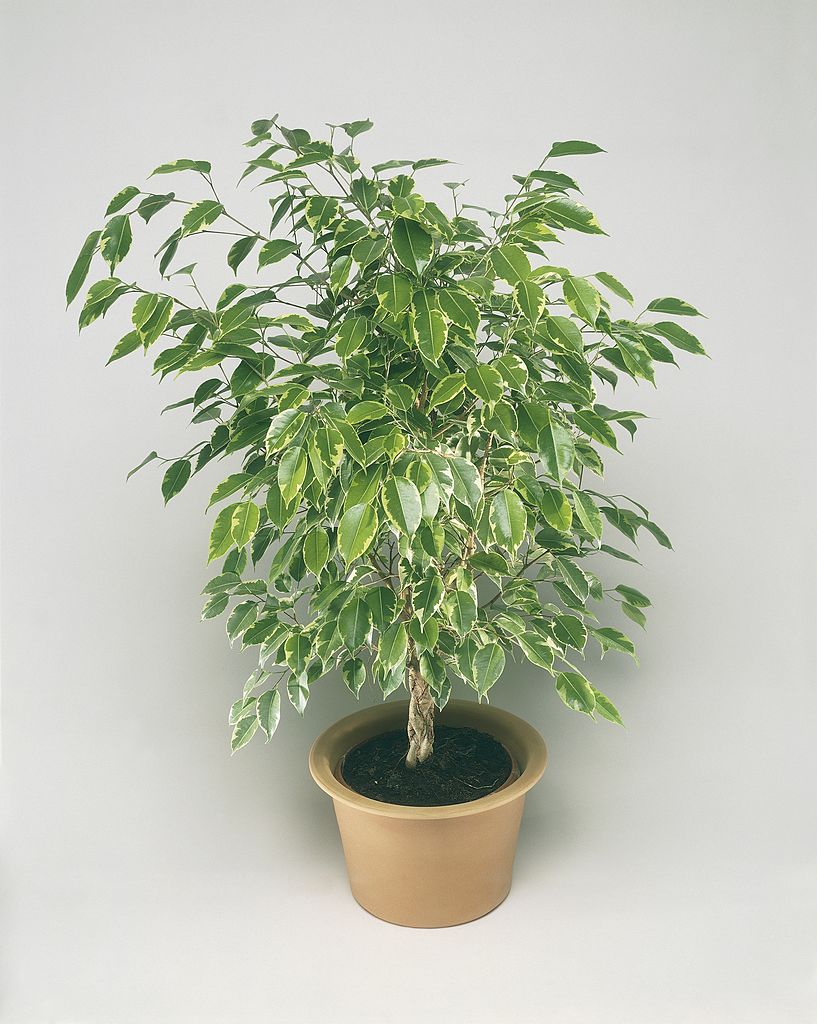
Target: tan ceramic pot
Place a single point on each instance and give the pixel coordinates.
(429, 867)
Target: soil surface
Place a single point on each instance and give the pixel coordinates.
(466, 764)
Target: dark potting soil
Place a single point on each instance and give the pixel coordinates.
(466, 764)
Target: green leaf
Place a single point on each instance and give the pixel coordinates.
(355, 128)
(291, 473)
(556, 448)
(239, 251)
(79, 271)
(570, 631)
(351, 336)
(573, 148)
(275, 251)
(635, 614)
(339, 273)
(556, 509)
(125, 346)
(356, 531)
(354, 623)
(121, 199)
(241, 618)
(320, 212)
(393, 293)
(244, 522)
(449, 387)
(115, 240)
(536, 650)
(283, 427)
(485, 382)
(576, 692)
(613, 640)
(429, 326)
(152, 204)
(428, 595)
(530, 298)
(316, 550)
(677, 336)
(467, 485)
(268, 712)
(412, 245)
(508, 519)
(367, 250)
(573, 577)
(215, 606)
(200, 214)
(606, 708)
(566, 332)
(362, 412)
(582, 298)
(243, 732)
(202, 166)
(510, 263)
(513, 371)
(354, 674)
(148, 458)
(393, 646)
(615, 286)
(633, 596)
(175, 478)
(459, 308)
(588, 512)
(461, 611)
(567, 213)
(401, 503)
(673, 306)
(221, 536)
(488, 666)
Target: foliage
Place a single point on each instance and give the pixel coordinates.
(408, 401)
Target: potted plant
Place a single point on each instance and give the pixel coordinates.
(406, 397)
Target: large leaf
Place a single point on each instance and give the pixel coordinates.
(243, 732)
(510, 263)
(393, 645)
(268, 712)
(393, 293)
(316, 550)
(449, 387)
(615, 286)
(576, 692)
(200, 215)
(536, 650)
(401, 503)
(291, 473)
(461, 610)
(356, 531)
(412, 245)
(530, 298)
(570, 631)
(459, 308)
(556, 509)
(582, 298)
(556, 448)
(678, 336)
(467, 484)
(588, 512)
(428, 595)
(567, 213)
(354, 623)
(488, 666)
(485, 382)
(221, 536)
(79, 271)
(508, 519)
(429, 327)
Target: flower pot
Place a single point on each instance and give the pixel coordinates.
(429, 867)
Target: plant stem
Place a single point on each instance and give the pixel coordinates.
(420, 714)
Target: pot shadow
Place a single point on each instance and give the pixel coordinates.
(547, 833)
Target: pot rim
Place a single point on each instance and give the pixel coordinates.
(324, 759)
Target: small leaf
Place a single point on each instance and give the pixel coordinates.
(316, 550)
(633, 596)
(367, 250)
(152, 204)
(428, 595)
(613, 640)
(351, 335)
(393, 645)
(268, 712)
(508, 519)
(461, 610)
(570, 631)
(615, 286)
(275, 251)
(429, 327)
(79, 271)
(241, 618)
(576, 692)
(144, 462)
(116, 240)
(244, 522)
(488, 666)
(239, 251)
(573, 148)
(354, 674)
(467, 485)
(588, 512)
(530, 298)
(200, 214)
(485, 382)
(175, 478)
(459, 308)
(673, 306)
(243, 732)
(449, 387)
(556, 448)
(606, 708)
(121, 199)
(202, 166)
(393, 293)
(291, 473)
(678, 336)
(582, 298)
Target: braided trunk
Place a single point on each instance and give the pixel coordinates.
(420, 714)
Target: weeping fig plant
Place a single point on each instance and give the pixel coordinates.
(407, 399)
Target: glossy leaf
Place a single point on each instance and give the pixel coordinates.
(413, 246)
(401, 503)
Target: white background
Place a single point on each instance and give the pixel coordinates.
(666, 872)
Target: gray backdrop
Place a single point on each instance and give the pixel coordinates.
(666, 872)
